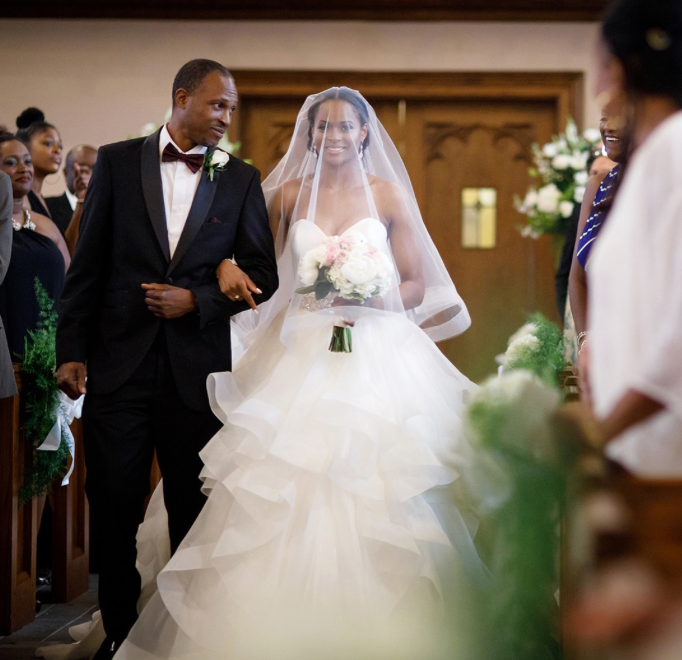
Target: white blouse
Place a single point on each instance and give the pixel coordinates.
(635, 304)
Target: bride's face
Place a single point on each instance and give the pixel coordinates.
(338, 132)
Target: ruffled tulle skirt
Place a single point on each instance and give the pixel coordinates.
(330, 501)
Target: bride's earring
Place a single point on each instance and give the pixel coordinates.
(361, 151)
(314, 150)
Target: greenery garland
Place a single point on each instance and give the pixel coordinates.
(520, 471)
(539, 348)
(41, 401)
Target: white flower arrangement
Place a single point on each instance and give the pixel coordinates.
(347, 265)
(560, 166)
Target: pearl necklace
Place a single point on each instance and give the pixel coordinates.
(28, 223)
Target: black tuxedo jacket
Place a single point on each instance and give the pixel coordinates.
(123, 242)
(60, 210)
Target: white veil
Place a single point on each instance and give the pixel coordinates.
(340, 170)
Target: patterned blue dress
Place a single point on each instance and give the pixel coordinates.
(597, 217)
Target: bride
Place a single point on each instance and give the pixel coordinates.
(329, 486)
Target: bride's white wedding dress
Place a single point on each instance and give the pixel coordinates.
(321, 488)
(330, 494)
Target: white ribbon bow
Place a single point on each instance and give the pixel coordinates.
(65, 410)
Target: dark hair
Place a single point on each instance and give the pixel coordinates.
(26, 135)
(28, 116)
(342, 94)
(7, 136)
(192, 74)
(646, 36)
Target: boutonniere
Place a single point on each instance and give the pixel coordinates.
(215, 161)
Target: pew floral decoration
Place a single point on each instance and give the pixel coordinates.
(47, 415)
(518, 481)
(560, 174)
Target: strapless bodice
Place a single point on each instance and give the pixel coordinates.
(306, 235)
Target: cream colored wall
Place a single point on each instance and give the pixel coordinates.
(101, 81)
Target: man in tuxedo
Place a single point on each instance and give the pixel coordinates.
(8, 385)
(80, 162)
(142, 308)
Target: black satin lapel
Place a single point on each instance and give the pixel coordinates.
(203, 198)
(152, 188)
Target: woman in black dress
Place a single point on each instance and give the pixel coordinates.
(38, 250)
(45, 146)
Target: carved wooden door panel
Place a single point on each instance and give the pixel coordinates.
(448, 146)
(456, 145)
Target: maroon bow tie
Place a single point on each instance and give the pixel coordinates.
(193, 161)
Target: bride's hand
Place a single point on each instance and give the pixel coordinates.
(236, 284)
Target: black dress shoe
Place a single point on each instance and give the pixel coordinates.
(108, 649)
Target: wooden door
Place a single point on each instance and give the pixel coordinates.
(468, 131)
(454, 145)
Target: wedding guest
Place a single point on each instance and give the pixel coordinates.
(38, 251)
(45, 146)
(599, 165)
(8, 386)
(599, 195)
(635, 272)
(67, 208)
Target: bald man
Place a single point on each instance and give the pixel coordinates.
(66, 209)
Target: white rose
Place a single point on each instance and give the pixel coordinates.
(548, 198)
(592, 135)
(308, 268)
(566, 208)
(581, 178)
(359, 269)
(562, 162)
(219, 158)
(531, 199)
(550, 150)
(519, 347)
(523, 331)
(579, 194)
(579, 161)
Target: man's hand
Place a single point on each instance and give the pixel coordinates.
(236, 284)
(81, 181)
(169, 302)
(71, 379)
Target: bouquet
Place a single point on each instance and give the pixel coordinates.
(348, 267)
(561, 167)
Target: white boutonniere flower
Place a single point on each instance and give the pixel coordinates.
(216, 160)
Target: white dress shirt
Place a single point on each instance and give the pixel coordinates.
(179, 185)
(73, 200)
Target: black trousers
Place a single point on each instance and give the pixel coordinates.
(120, 432)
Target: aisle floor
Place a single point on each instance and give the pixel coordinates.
(51, 626)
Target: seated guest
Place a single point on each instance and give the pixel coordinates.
(38, 250)
(67, 208)
(634, 352)
(8, 386)
(45, 146)
(599, 195)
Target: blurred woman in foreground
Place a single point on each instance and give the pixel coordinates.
(635, 274)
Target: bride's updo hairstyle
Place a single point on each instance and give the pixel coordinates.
(646, 37)
(339, 94)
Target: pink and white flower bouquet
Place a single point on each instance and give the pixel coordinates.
(348, 266)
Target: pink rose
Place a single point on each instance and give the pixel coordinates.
(332, 254)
